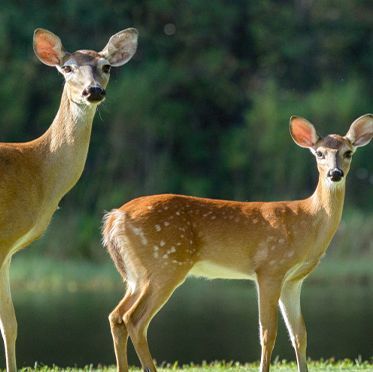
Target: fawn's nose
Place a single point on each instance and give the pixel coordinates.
(335, 174)
(94, 94)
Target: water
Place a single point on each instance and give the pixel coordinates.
(204, 320)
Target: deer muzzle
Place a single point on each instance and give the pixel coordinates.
(94, 94)
(335, 174)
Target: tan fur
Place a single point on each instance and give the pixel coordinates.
(36, 175)
(157, 241)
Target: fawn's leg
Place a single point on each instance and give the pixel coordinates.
(291, 311)
(119, 331)
(153, 296)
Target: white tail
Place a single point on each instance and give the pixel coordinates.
(36, 175)
(157, 241)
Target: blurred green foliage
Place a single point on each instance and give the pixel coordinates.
(203, 107)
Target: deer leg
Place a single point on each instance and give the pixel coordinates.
(137, 319)
(119, 331)
(268, 294)
(291, 311)
(8, 322)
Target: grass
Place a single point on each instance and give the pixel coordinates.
(277, 366)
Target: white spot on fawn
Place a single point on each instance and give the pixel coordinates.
(139, 232)
(281, 241)
(162, 243)
(177, 213)
(261, 253)
(171, 250)
(166, 223)
(255, 220)
(290, 254)
(158, 228)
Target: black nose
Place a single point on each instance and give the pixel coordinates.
(94, 94)
(335, 174)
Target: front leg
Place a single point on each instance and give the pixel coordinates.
(291, 311)
(268, 295)
(8, 322)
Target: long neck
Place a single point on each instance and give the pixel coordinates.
(65, 146)
(327, 202)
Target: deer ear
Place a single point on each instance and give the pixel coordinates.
(361, 131)
(303, 132)
(121, 47)
(48, 47)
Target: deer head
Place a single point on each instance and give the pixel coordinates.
(86, 72)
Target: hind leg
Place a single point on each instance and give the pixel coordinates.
(154, 295)
(119, 331)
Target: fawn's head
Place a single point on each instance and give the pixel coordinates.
(333, 153)
(86, 72)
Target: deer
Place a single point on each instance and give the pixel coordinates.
(36, 175)
(157, 241)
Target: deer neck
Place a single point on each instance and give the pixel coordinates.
(326, 204)
(65, 146)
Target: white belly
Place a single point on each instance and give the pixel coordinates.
(213, 271)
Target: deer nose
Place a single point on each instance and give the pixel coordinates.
(335, 174)
(94, 94)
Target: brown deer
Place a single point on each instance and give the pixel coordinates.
(36, 175)
(157, 241)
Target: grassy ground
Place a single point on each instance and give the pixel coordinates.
(319, 366)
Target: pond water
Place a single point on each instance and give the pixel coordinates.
(204, 320)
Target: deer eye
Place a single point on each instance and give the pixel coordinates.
(348, 154)
(320, 155)
(106, 68)
(67, 69)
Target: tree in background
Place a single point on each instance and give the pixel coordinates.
(204, 108)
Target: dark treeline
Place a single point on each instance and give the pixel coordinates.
(204, 106)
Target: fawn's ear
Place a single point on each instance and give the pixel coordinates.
(303, 132)
(361, 131)
(48, 47)
(121, 47)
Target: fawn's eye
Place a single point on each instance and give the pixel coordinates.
(106, 68)
(320, 155)
(67, 69)
(348, 154)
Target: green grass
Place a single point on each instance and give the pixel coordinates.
(278, 366)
